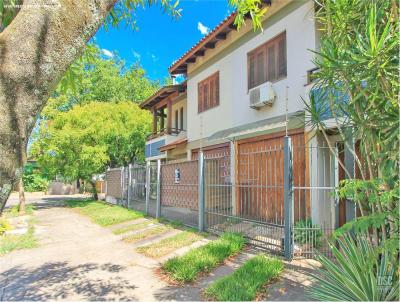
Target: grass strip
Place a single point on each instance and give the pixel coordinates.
(247, 281)
(102, 213)
(13, 211)
(203, 259)
(10, 243)
(168, 245)
(132, 227)
(147, 233)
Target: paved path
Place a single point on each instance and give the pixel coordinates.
(76, 260)
(79, 260)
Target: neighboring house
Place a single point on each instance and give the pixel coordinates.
(219, 109)
(169, 136)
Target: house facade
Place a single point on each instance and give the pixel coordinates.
(244, 91)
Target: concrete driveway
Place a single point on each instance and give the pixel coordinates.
(76, 260)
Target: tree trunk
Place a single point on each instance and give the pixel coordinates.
(94, 191)
(35, 51)
(21, 205)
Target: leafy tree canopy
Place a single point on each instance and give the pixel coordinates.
(94, 77)
(86, 139)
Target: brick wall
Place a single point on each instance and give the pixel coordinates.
(185, 193)
(113, 177)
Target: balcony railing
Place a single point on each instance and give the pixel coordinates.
(165, 131)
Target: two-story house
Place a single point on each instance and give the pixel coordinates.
(244, 91)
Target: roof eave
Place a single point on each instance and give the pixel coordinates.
(161, 94)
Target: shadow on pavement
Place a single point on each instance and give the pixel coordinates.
(59, 280)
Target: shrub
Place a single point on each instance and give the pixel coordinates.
(358, 272)
(307, 233)
(35, 183)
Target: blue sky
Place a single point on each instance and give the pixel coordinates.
(161, 39)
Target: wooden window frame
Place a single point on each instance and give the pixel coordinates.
(208, 87)
(263, 51)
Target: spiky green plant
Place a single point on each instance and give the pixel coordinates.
(359, 272)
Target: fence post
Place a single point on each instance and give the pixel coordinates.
(129, 184)
(201, 201)
(288, 198)
(148, 171)
(158, 210)
(108, 169)
(122, 185)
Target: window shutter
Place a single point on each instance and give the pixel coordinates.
(260, 69)
(267, 62)
(271, 63)
(252, 71)
(208, 92)
(217, 90)
(282, 57)
(206, 95)
(200, 97)
(212, 92)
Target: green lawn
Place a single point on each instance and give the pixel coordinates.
(13, 211)
(246, 281)
(102, 213)
(10, 243)
(203, 259)
(170, 244)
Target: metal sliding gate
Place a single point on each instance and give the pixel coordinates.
(245, 199)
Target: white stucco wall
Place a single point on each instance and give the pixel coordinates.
(234, 107)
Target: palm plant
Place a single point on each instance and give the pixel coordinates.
(359, 272)
(358, 85)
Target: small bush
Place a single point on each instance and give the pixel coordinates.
(246, 281)
(33, 179)
(205, 258)
(307, 233)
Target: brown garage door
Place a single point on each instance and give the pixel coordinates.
(260, 194)
(221, 150)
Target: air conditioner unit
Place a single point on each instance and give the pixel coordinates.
(263, 95)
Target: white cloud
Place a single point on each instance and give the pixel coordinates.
(136, 55)
(154, 58)
(202, 28)
(107, 53)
